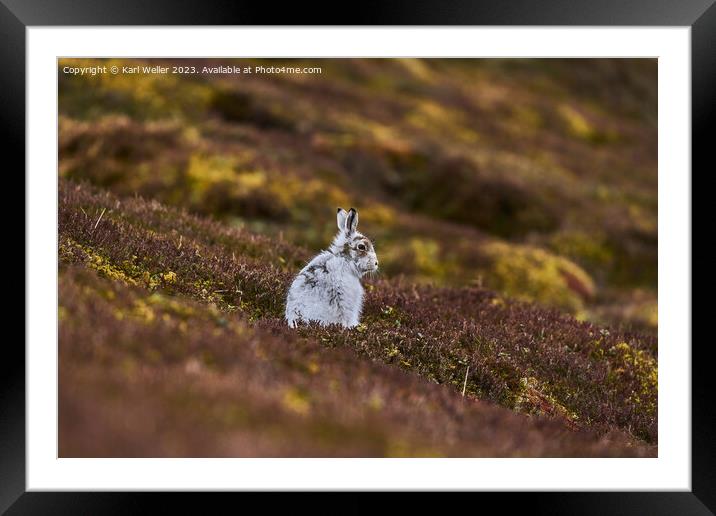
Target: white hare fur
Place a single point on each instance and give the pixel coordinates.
(328, 290)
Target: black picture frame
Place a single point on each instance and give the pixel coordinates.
(17, 15)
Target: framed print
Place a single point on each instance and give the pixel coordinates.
(420, 252)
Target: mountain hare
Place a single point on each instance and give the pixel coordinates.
(328, 289)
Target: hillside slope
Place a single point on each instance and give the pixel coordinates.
(172, 344)
(533, 177)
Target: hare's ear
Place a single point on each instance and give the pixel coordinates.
(352, 221)
(341, 217)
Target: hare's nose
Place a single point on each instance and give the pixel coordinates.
(376, 263)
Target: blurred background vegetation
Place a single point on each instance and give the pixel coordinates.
(533, 177)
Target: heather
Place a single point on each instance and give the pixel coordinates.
(534, 178)
(513, 207)
(170, 325)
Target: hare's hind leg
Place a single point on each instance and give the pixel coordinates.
(351, 321)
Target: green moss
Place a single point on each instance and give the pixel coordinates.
(533, 397)
(532, 274)
(171, 305)
(140, 95)
(426, 255)
(643, 366)
(130, 272)
(73, 251)
(580, 127)
(590, 249)
(296, 401)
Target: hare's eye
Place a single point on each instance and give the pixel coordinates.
(361, 247)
